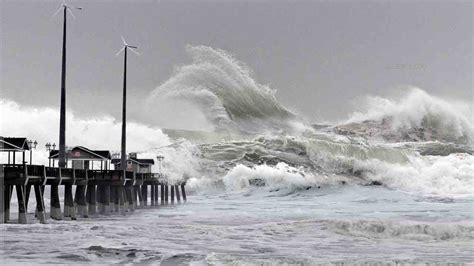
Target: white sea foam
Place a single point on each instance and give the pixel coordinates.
(436, 118)
(405, 230)
(451, 175)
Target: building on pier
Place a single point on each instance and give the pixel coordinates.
(134, 164)
(84, 158)
(12, 145)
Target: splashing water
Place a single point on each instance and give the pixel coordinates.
(225, 91)
(393, 181)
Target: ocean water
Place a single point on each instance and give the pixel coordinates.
(392, 183)
(350, 224)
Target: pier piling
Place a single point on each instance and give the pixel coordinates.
(107, 200)
(55, 210)
(138, 190)
(20, 193)
(156, 195)
(184, 192)
(115, 198)
(86, 192)
(80, 200)
(152, 195)
(178, 197)
(69, 210)
(40, 210)
(6, 201)
(162, 192)
(91, 200)
(100, 199)
(144, 195)
(121, 200)
(131, 202)
(172, 194)
(27, 196)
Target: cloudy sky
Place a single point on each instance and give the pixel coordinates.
(318, 55)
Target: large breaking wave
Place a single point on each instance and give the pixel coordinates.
(226, 92)
(416, 116)
(415, 143)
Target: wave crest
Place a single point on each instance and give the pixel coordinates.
(417, 116)
(412, 231)
(223, 88)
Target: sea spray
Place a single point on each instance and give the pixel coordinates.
(415, 116)
(103, 132)
(225, 91)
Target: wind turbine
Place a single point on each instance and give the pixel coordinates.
(62, 120)
(55, 203)
(125, 48)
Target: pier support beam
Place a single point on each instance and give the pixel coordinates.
(69, 210)
(100, 199)
(152, 193)
(80, 200)
(40, 210)
(55, 211)
(2, 195)
(27, 196)
(20, 193)
(156, 195)
(115, 198)
(129, 197)
(144, 195)
(166, 194)
(6, 202)
(162, 192)
(121, 200)
(91, 200)
(184, 192)
(178, 197)
(106, 200)
(172, 194)
(138, 190)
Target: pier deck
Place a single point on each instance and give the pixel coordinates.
(97, 191)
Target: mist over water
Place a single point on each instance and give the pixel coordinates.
(398, 173)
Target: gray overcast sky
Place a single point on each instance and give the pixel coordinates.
(317, 55)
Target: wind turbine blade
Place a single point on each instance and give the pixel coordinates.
(123, 40)
(55, 13)
(123, 48)
(133, 50)
(131, 46)
(70, 12)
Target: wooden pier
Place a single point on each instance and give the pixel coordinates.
(97, 191)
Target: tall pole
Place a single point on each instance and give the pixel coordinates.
(62, 119)
(124, 114)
